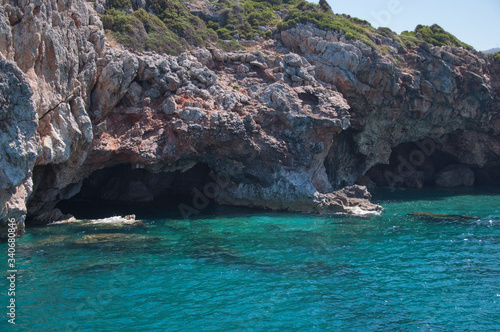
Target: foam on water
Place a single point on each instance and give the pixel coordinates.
(109, 220)
(357, 211)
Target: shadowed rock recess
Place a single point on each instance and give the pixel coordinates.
(293, 124)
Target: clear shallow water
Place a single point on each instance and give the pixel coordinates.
(242, 270)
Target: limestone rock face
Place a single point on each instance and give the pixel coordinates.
(64, 130)
(49, 51)
(454, 176)
(19, 143)
(445, 94)
(116, 72)
(56, 44)
(268, 138)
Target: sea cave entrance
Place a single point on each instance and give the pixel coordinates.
(422, 163)
(122, 190)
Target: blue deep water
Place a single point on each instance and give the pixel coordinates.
(233, 269)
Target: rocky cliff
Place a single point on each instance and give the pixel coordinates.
(445, 95)
(49, 52)
(284, 126)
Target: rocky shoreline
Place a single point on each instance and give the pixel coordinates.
(293, 125)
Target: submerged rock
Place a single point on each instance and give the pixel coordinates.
(52, 240)
(112, 237)
(441, 216)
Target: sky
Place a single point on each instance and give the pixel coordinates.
(475, 22)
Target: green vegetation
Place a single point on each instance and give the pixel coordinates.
(409, 40)
(325, 6)
(435, 35)
(229, 45)
(169, 27)
(405, 40)
(496, 56)
(189, 28)
(120, 4)
(324, 18)
(140, 31)
(244, 19)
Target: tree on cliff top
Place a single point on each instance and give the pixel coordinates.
(436, 36)
(325, 6)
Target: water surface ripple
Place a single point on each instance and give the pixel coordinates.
(242, 270)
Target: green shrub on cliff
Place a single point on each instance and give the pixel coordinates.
(140, 31)
(405, 40)
(409, 40)
(169, 29)
(177, 18)
(120, 4)
(244, 19)
(230, 45)
(436, 36)
(325, 6)
(305, 12)
(496, 56)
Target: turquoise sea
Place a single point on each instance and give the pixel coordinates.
(234, 269)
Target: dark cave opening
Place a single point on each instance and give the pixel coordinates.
(121, 190)
(344, 163)
(309, 99)
(419, 164)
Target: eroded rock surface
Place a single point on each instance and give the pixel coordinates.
(265, 132)
(19, 143)
(283, 131)
(398, 95)
(49, 52)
